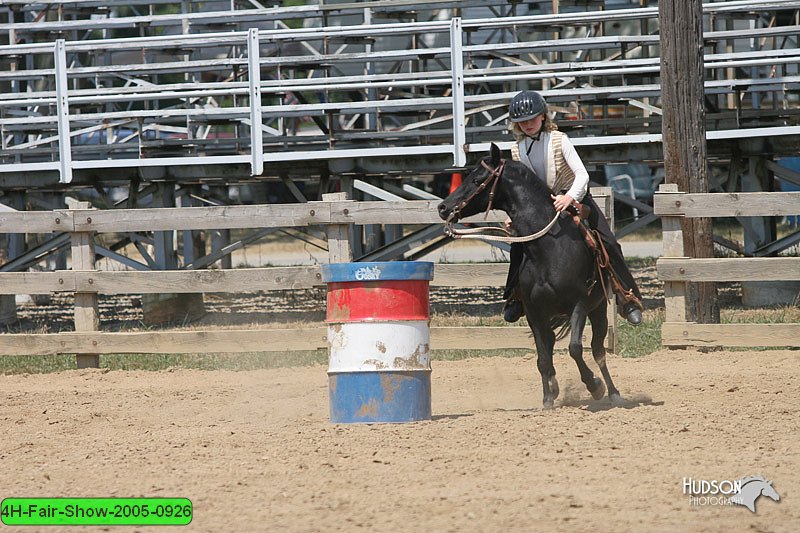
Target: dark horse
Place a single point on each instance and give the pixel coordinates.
(555, 278)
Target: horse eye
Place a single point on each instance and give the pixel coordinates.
(476, 181)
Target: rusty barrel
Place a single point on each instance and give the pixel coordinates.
(379, 337)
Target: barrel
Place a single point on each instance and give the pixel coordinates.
(378, 319)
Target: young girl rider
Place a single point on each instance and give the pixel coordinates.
(551, 155)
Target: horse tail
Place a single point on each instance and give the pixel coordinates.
(562, 323)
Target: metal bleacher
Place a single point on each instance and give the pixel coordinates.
(159, 103)
(236, 90)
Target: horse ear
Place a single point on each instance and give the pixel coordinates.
(495, 154)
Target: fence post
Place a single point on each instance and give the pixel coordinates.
(86, 315)
(674, 291)
(606, 194)
(339, 250)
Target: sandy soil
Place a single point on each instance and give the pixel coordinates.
(254, 450)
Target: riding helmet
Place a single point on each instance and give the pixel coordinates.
(526, 105)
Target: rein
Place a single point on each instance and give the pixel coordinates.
(480, 233)
(493, 178)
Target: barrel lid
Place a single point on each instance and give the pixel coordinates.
(377, 271)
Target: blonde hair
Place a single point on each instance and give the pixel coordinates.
(516, 131)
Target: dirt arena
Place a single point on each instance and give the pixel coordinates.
(254, 450)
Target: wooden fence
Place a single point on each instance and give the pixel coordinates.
(676, 270)
(334, 212)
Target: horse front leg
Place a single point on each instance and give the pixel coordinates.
(545, 340)
(599, 320)
(578, 324)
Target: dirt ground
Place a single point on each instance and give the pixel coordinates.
(254, 450)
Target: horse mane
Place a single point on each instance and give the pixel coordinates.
(749, 479)
(539, 186)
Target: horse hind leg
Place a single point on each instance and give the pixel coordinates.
(599, 321)
(578, 323)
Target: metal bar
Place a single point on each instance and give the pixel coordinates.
(254, 79)
(590, 68)
(785, 174)
(396, 249)
(37, 254)
(377, 192)
(298, 195)
(127, 261)
(419, 193)
(779, 245)
(635, 226)
(250, 15)
(62, 107)
(457, 68)
(204, 261)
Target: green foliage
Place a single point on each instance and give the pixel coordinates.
(28, 364)
(641, 340)
(457, 355)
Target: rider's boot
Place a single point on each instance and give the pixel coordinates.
(632, 313)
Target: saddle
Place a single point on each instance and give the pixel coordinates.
(591, 237)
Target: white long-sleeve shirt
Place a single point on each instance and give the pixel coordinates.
(540, 159)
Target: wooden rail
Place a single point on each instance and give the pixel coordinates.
(676, 270)
(335, 213)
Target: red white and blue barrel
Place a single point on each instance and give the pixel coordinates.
(379, 335)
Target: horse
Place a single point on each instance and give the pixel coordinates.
(556, 278)
(752, 488)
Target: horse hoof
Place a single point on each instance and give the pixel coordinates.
(599, 389)
(547, 405)
(616, 400)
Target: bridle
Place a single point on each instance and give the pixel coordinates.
(476, 233)
(493, 178)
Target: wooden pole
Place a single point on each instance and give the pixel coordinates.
(605, 195)
(683, 130)
(86, 313)
(339, 249)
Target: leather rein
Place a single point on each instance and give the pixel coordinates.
(480, 233)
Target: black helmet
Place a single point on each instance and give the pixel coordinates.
(525, 106)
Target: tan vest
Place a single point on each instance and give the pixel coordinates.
(564, 176)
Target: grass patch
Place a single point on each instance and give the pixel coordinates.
(34, 364)
(458, 355)
(641, 340)
(774, 315)
(641, 262)
(632, 341)
(37, 364)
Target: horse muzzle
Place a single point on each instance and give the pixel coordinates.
(446, 213)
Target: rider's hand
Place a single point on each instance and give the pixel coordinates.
(561, 202)
(507, 224)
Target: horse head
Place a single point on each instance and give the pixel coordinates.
(477, 192)
(751, 488)
(769, 491)
(497, 183)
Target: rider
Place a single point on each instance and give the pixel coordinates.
(551, 155)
